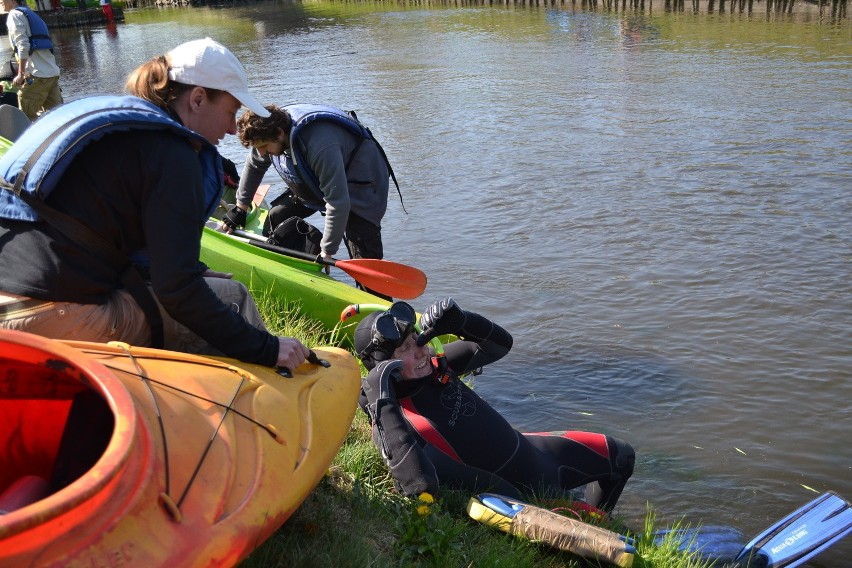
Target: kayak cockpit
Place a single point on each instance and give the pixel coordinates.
(54, 429)
(56, 418)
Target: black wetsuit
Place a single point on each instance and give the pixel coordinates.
(432, 433)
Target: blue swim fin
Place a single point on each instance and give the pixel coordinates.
(799, 536)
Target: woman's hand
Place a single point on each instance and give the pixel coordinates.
(291, 352)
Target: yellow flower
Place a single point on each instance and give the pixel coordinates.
(426, 498)
(424, 510)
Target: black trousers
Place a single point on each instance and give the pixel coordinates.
(362, 239)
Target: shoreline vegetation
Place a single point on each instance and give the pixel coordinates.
(86, 13)
(835, 7)
(354, 517)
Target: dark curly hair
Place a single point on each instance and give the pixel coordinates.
(252, 128)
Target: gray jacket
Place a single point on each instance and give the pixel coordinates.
(361, 189)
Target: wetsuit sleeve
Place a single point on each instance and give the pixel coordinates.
(483, 342)
(253, 172)
(412, 470)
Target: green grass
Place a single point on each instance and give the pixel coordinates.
(355, 518)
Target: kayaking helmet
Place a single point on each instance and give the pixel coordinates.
(379, 334)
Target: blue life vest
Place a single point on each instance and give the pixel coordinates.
(37, 160)
(39, 36)
(291, 166)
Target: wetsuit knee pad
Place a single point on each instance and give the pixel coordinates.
(622, 456)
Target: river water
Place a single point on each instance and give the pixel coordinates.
(658, 206)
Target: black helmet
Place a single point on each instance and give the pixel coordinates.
(379, 334)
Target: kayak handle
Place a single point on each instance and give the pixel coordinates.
(312, 358)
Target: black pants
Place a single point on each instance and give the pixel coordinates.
(546, 463)
(363, 239)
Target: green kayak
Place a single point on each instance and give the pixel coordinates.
(301, 282)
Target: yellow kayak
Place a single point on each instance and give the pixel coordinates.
(115, 455)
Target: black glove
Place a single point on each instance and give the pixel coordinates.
(235, 218)
(441, 318)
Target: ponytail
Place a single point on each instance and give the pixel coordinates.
(150, 81)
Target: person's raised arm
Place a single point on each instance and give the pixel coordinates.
(483, 340)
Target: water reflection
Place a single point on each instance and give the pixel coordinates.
(655, 204)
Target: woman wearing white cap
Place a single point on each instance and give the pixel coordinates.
(199, 82)
(139, 187)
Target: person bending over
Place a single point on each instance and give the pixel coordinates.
(330, 163)
(433, 430)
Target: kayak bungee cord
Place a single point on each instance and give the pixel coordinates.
(168, 503)
(165, 498)
(269, 428)
(210, 441)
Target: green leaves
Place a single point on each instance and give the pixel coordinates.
(426, 535)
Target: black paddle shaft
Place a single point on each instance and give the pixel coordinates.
(294, 253)
(260, 242)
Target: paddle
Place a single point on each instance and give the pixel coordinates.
(384, 276)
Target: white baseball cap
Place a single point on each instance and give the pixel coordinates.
(206, 63)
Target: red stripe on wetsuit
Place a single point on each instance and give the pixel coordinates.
(425, 428)
(594, 441)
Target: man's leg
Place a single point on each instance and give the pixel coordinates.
(364, 240)
(282, 208)
(32, 96)
(54, 95)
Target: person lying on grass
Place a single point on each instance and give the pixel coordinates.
(432, 430)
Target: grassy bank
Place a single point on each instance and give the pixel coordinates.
(355, 518)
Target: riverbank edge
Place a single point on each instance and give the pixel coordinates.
(73, 18)
(94, 17)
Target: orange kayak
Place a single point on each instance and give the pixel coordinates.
(115, 455)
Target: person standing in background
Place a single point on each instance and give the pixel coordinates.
(38, 73)
(106, 6)
(330, 162)
(8, 71)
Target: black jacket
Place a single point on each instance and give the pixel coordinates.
(139, 190)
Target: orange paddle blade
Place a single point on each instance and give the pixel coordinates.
(385, 276)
